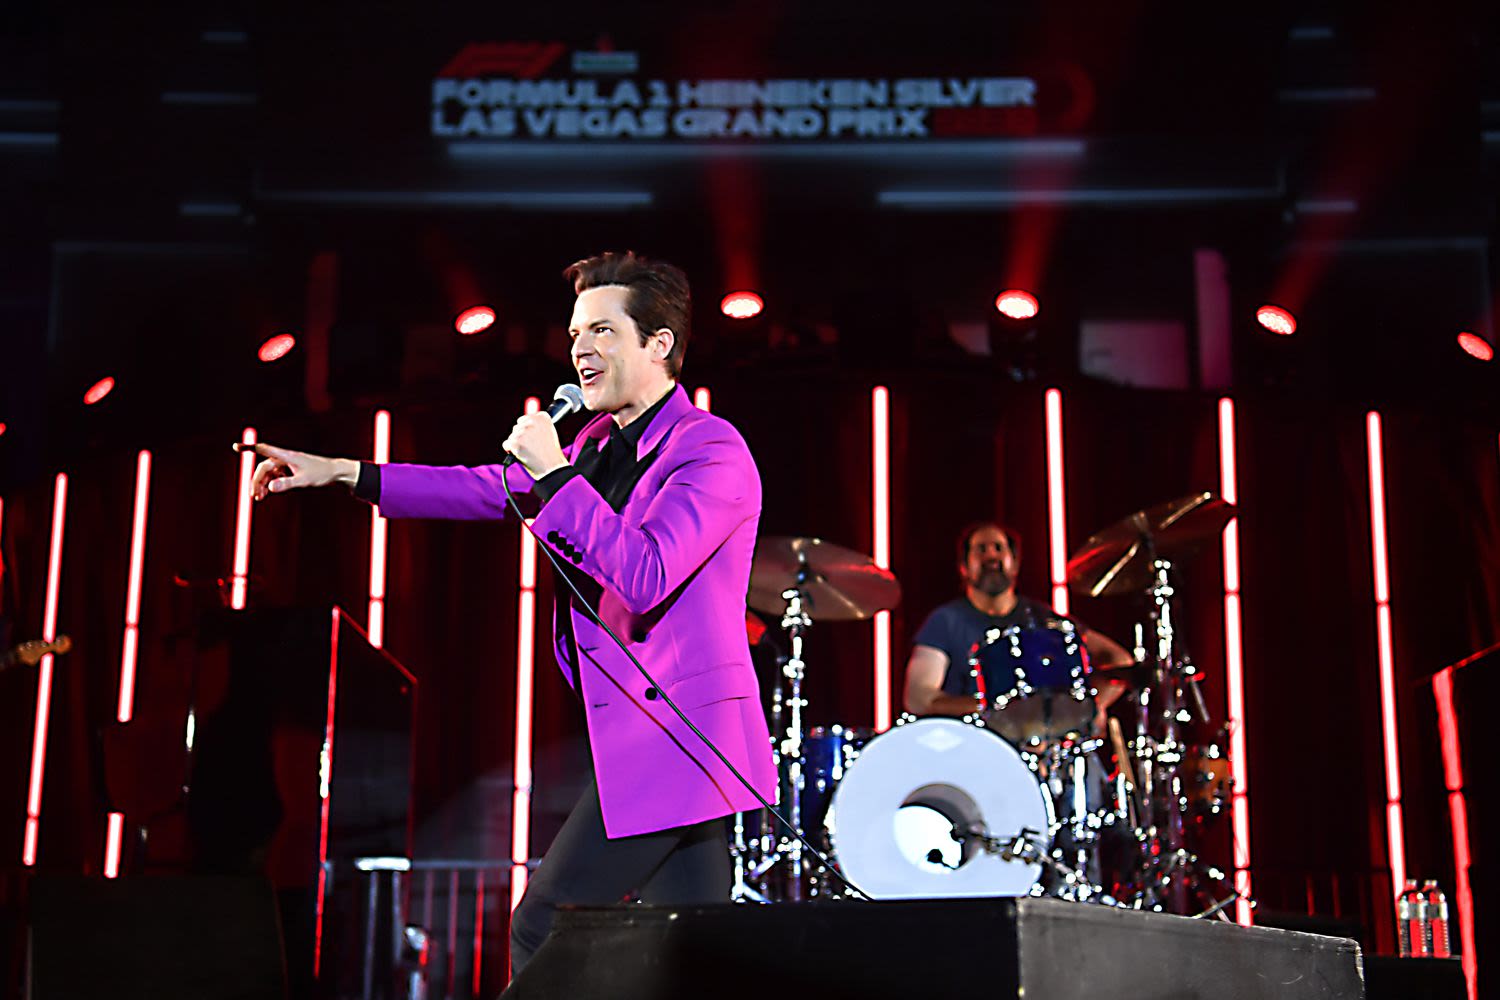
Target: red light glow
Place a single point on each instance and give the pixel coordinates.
(325, 782)
(1476, 346)
(1395, 834)
(378, 537)
(701, 399)
(276, 348)
(742, 305)
(112, 845)
(1057, 503)
(1277, 320)
(133, 588)
(239, 584)
(520, 814)
(99, 390)
(478, 932)
(2, 428)
(44, 675)
(1235, 667)
(1458, 815)
(880, 400)
(1016, 304)
(475, 319)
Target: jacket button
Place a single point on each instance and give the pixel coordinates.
(552, 537)
(652, 694)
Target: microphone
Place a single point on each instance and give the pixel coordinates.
(567, 399)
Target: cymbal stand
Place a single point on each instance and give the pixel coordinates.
(1171, 869)
(773, 846)
(1168, 745)
(795, 621)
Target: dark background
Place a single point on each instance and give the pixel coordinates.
(179, 183)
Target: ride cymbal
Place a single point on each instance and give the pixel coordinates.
(1118, 560)
(837, 584)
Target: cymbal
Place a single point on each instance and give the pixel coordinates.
(1117, 560)
(838, 584)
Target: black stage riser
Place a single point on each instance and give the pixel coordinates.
(1038, 948)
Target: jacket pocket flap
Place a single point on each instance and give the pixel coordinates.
(730, 680)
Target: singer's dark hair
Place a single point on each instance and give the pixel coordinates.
(966, 538)
(659, 295)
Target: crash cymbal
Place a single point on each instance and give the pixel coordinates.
(838, 584)
(1118, 559)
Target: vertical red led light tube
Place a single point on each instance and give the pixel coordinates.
(1458, 815)
(325, 780)
(476, 979)
(1234, 667)
(520, 812)
(239, 581)
(1057, 503)
(125, 708)
(44, 675)
(1395, 835)
(378, 536)
(880, 413)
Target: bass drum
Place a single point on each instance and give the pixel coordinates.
(894, 814)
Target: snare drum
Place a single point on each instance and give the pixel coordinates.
(1036, 677)
(895, 814)
(826, 752)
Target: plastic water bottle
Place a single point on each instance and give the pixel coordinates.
(1437, 919)
(1410, 907)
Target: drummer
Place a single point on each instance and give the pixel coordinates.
(938, 679)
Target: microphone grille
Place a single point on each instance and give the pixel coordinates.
(570, 394)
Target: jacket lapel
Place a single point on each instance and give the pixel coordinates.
(675, 409)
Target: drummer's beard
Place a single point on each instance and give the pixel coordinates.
(993, 580)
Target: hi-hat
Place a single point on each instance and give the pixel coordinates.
(1118, 560)
(837, 584)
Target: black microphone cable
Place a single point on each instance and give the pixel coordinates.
(578, 596)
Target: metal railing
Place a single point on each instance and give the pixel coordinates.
(429, 928)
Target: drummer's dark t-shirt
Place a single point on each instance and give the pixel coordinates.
(956, 626)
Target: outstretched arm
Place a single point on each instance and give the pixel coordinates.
(283, 469)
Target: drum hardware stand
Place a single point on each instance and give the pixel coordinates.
(1022, 848)
(743, 890)
(1171, 866)
(776, 846)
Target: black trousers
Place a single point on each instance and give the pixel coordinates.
(686, 864)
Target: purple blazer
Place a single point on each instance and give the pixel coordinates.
(674, 565)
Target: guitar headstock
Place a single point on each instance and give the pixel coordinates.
(31, 653)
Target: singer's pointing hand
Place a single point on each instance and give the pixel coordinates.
(284, 469)
(534, 443)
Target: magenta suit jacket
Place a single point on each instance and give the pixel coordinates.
(675, 567)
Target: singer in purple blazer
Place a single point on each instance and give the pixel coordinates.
(652, 512)
(674, 565)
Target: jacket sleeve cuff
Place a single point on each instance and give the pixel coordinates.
(548, 485)
(367, 486)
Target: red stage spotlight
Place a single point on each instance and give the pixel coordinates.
(475, 319)
(3, 429)
(742, 305)
(98, 390)
(276, 348)
(1016, 304)
(1277, 320)
(1476, 346)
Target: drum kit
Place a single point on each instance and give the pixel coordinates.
(1026, 796)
